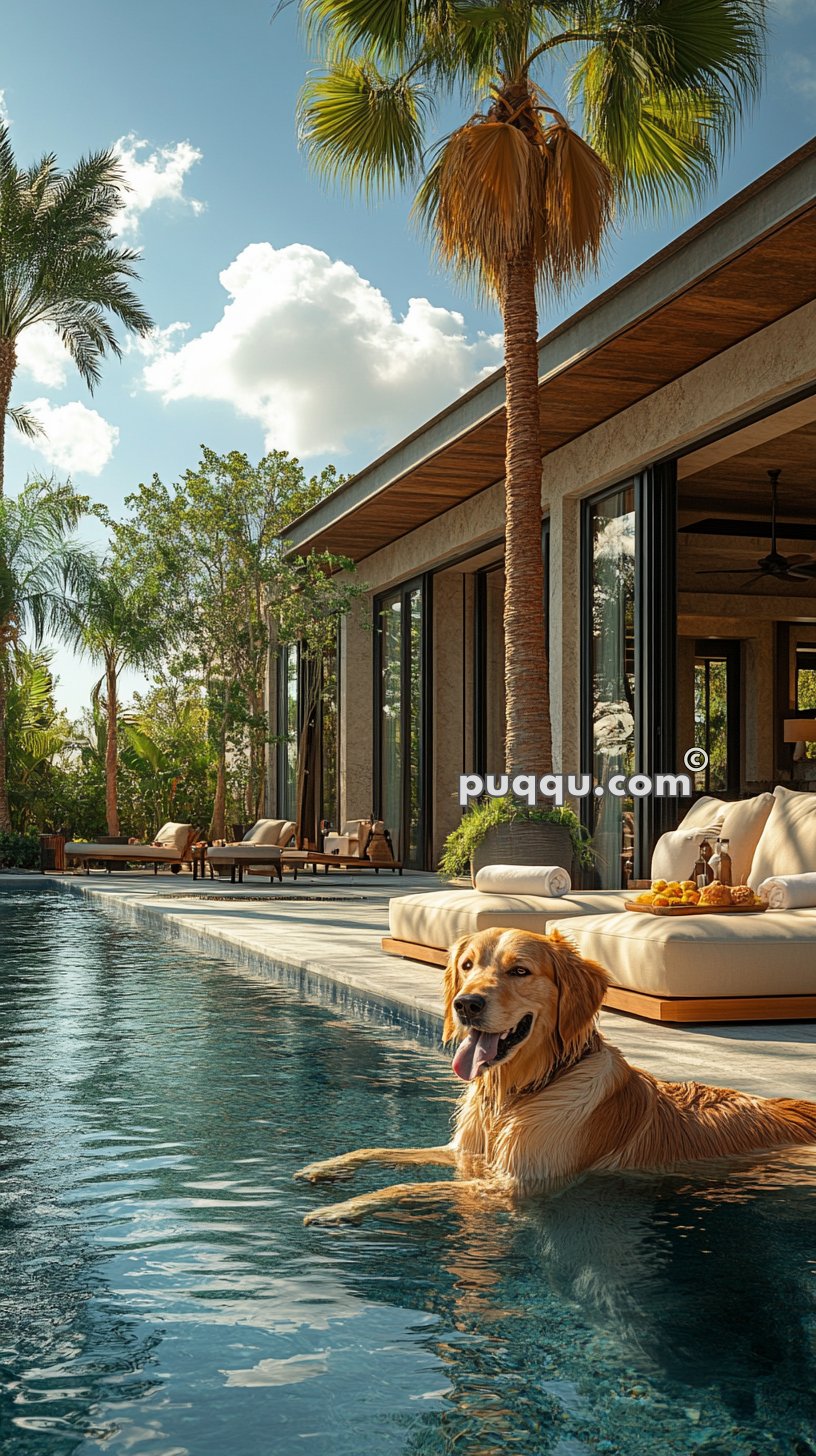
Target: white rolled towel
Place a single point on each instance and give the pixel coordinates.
(789, 892)
(523, 880)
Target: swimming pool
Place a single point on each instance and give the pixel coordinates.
(160, 1295)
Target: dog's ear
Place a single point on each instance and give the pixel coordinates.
(580, 988)
(451, 984)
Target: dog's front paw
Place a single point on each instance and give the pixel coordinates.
(333, 1215)
(327, 1171)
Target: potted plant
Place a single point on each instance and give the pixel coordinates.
(505, 831)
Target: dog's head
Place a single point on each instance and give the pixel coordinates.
(513, 995)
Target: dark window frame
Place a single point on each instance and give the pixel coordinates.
(729, 651)
(424, 584)
(479, 703)
(284, 808)
(655, 643)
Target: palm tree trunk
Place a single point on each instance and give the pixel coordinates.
(528, 744)
(111, 750)
(8, 364)
(5, 813)
(219, 813)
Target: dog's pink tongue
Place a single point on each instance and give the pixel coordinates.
(476, 1052)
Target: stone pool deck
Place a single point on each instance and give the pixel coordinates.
(323, 935)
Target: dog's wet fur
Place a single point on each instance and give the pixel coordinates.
(547, 1098)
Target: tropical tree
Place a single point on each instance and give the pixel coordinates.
(119, 625)
(44, 576)
(59, 265)
(36, 733)
(518, 198)
(219, 536)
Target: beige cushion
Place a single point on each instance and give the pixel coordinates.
(438, 917)
(150, 853)
(287, 830)
(231, 853)
(769, 954)
(264, 831)
(339, 844)
(788, 842)
(742, 826)
(703, 813)
(676, 853)
(174, 836)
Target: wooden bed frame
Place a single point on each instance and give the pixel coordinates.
(700, 1009)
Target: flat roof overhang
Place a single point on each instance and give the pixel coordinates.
(741, 268)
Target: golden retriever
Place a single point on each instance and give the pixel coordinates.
(547, 1098)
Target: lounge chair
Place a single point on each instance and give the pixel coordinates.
(172, 846)
(261, 849)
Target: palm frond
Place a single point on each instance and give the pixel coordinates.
(662, 89)
(362, 128)
(494, 190)
(26, 422)
(482, 197)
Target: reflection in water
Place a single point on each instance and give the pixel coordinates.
(161, 1296)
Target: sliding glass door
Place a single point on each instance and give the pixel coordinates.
(609, 688)
(488, 675)
(629, 679)
(402, 740)
(289, 724)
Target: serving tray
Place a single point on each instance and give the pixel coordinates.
(695, 909)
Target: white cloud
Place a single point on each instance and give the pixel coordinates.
(77, 440)
(154, 175)
(800, 74)
(4, 116)
(41, 353)
(314, 353)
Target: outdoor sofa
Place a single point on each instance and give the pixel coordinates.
(173, 847)
(700, 968)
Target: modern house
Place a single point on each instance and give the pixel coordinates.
(668, 405)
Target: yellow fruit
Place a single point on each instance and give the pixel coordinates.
(660, 900)
(658, 885)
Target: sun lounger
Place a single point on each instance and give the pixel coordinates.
(173, 846)
(260, 848)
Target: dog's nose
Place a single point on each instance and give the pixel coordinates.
(467, 1007)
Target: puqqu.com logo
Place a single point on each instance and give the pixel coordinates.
(557, 788)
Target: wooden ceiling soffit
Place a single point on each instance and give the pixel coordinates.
(770, 279)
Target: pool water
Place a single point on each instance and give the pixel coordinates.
(159, 1294)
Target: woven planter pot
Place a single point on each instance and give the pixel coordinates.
(525, 843)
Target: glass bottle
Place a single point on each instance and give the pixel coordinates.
(700, 872)
(726, 870)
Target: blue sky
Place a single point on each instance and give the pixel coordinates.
(284, 311)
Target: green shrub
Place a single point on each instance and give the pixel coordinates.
(478, 818)
(19, 852)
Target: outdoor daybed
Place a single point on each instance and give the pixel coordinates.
(755, 967)
(172, 846)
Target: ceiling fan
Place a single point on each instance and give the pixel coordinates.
(780, 568)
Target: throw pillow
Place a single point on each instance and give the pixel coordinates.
(787, 845)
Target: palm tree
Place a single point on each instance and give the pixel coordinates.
(44, 576)
(58, 265)
(516, 198)
(36, 732)
(117, 628)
